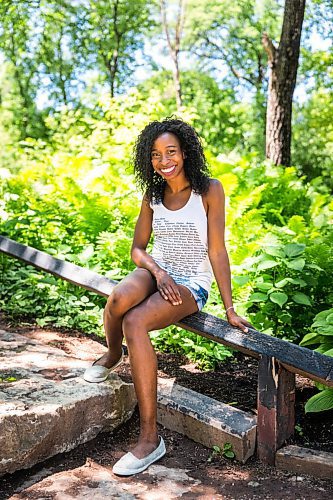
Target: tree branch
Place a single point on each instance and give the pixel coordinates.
(269, 47)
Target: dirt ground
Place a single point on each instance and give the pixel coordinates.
(234, 382)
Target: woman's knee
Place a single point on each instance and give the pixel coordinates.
(117, 303)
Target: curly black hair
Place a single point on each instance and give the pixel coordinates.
(195, 164)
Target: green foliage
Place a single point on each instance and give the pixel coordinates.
(320, 402)
(217, 117)
(204, 353)
(77, 201)
(313, 149)
(227, 452)
(24, 291)
(280, 243)
(321, 335)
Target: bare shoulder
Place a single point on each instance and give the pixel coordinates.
(215, 193)
(145, 205)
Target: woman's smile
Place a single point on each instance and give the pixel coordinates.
(169, 170)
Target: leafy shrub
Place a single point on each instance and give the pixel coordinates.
(282, 280)
(322, 336)
(205, 353)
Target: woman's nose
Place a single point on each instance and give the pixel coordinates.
(164, 159)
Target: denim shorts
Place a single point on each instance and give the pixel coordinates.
(200, 295)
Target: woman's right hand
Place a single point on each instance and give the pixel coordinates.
(168, 288)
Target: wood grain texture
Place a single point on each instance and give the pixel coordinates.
(276, 408)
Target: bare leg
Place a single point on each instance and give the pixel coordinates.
(128, 293)
(154, 313)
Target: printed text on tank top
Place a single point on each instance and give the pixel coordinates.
(181, 242)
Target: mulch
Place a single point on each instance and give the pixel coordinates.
(233, 382)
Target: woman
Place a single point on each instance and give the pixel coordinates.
(185, 210)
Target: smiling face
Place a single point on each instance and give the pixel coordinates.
(167, 156)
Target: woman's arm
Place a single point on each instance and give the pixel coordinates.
(143, 229)
(142, 233)
(217, 251)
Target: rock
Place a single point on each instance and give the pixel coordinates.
(45, 405)
(306, 461)
(254, 484)
(205, 420)
(98, 482)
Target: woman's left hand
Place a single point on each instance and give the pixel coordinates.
(238, 321)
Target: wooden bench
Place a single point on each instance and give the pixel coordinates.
(279, 360)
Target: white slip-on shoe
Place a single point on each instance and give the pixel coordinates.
(98, 373)
(130, 464)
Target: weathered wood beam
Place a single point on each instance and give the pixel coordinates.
(276, 408)
(294, 358)
(61, 269)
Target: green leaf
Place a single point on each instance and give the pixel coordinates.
(275, 251)
(294, 249)
(314, 266)
(323, 314)
(296, 264)
(240, 280)
(282, 283)
(267, 264)
(297, 281)
(285, 318)
(293, 281)
(329, 319)
(320, 402)
(328, 353)
(326, 330)
(279, 298)
(258, 297)
(326, 346)
(264, 286)
(310, 338)
(301, 298)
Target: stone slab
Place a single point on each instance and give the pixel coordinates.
(305, 461)
(45, 405)
(98, 482)
(206, 420)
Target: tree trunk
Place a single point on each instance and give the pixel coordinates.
(174, 45)
(283, 63)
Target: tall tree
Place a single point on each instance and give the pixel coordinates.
(16, 25)
(226, 38)
(112, 31)
(58, 59)
(283, 64)
(173, 37)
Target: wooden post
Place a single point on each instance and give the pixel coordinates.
(276, 408)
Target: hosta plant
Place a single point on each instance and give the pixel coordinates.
(321, 335)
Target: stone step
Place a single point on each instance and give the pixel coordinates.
(206, 420)
(305, 461)
(45, 405)
(97, 482)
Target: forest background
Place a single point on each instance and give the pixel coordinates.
(79, 80)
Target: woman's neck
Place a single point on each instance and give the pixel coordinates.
(177, 187)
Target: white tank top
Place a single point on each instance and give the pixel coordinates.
(181, 243)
